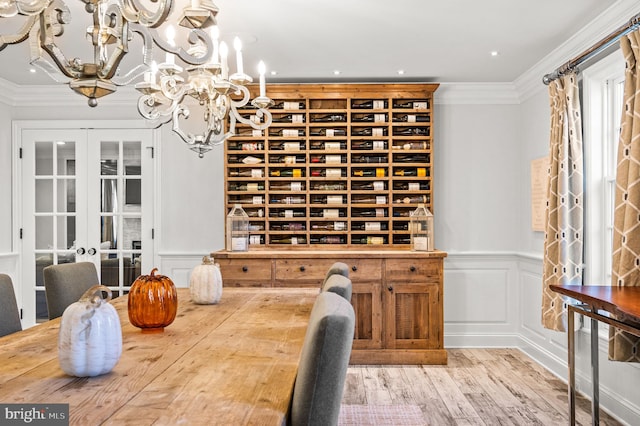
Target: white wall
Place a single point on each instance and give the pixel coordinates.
(5, 178)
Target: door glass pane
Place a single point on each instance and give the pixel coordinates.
(108, 233)
(109, 154)
(132, 234)
(44, 158)
(66, 237)
(132, 154)
(44, 196)
(66, 154)
(132, 194)
(44, 232)
(66, 195)
(109, 195)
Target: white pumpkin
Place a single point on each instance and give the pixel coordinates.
(90, 338)
(206, 282)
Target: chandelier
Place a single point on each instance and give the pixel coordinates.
(167, 89)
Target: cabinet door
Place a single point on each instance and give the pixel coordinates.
(412, 316)
(367, 304)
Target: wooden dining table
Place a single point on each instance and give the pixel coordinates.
(232, 363)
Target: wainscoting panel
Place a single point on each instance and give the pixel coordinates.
(480, 300)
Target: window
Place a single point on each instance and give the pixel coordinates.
(603, 85)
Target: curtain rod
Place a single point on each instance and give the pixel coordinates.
(593, 50)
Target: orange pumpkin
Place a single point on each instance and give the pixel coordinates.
(153, 302)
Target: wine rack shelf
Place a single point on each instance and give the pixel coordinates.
(341, 166)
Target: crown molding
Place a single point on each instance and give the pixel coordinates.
(530, 82)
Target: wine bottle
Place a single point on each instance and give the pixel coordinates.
(321, 131)
(328, 213)
(287, 133)
(246, 186)
(287, 200)
(256, 199)
(256, 226)
(368, 199)
(403, 104)
(328, 186)
(369, 158)
(400, 226)
(368, 104)
(377, 172)
(369, 145)
(329, 226)
(286, 146)
(369, 226)
(411, 158)
(256, 239)
(401, 213)
(255, 213)
(287, 240)
(329, 118)
(401, 239)
(289, 118)
(286, 186)
(368, 240)
(286, 213)
(379, 212)
(288, 105)
(286, 173)
(411, 131)
(414, 199)
(412, 118)
(369, 118)
(412, 145)
(244, 159)
(246, 173)
(410, 186)
(316, 159)
(322, 145)
(329, 239)
(369, 131)
(287, 226)
(333, 173)
(420, 171)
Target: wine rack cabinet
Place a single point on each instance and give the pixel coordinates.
(342, 166)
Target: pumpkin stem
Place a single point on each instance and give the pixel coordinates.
(208, 260)
(153, 272)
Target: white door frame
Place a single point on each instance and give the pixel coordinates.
(17, 128)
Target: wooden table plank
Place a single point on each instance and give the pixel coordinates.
(623, 302)
(235, 362)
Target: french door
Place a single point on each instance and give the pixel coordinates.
(87, 195)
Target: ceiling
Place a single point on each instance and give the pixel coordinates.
(368, 40)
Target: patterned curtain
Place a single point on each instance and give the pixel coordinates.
(564, 216)
(626, 227)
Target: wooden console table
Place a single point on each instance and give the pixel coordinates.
(621, 302)
(397, 295)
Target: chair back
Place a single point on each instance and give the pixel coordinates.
(9, 314)
(319, 385)
(339, 285)
(64, 284)
(338, 268)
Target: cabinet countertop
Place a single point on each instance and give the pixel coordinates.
(351, 253)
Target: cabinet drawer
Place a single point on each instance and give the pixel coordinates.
(314, 270)
(245, 272)
(413, 270)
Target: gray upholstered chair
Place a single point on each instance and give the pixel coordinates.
(338, 268)
(9, 314)
(65, 284)
(317, 393)
(339, 285)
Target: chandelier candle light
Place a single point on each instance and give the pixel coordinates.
(167, 88)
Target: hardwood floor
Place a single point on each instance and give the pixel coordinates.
(477, 387)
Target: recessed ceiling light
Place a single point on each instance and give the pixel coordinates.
(61, 142)
(32, 70)
(274, 72)
(495, 53)
(400, 72)
(336, 72)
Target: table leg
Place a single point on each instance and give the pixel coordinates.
(572, 366)
(595, 377)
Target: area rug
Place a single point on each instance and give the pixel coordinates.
(381, 415)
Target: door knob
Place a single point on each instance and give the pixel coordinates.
(412, 268)
(92, 251)
(81, 251)
(354, 268)
(302, 268)
(245, 269)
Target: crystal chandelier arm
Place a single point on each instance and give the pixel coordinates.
(134, 11)
(110, 28)
(196, 36)
(21, 35)
(262, 112)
